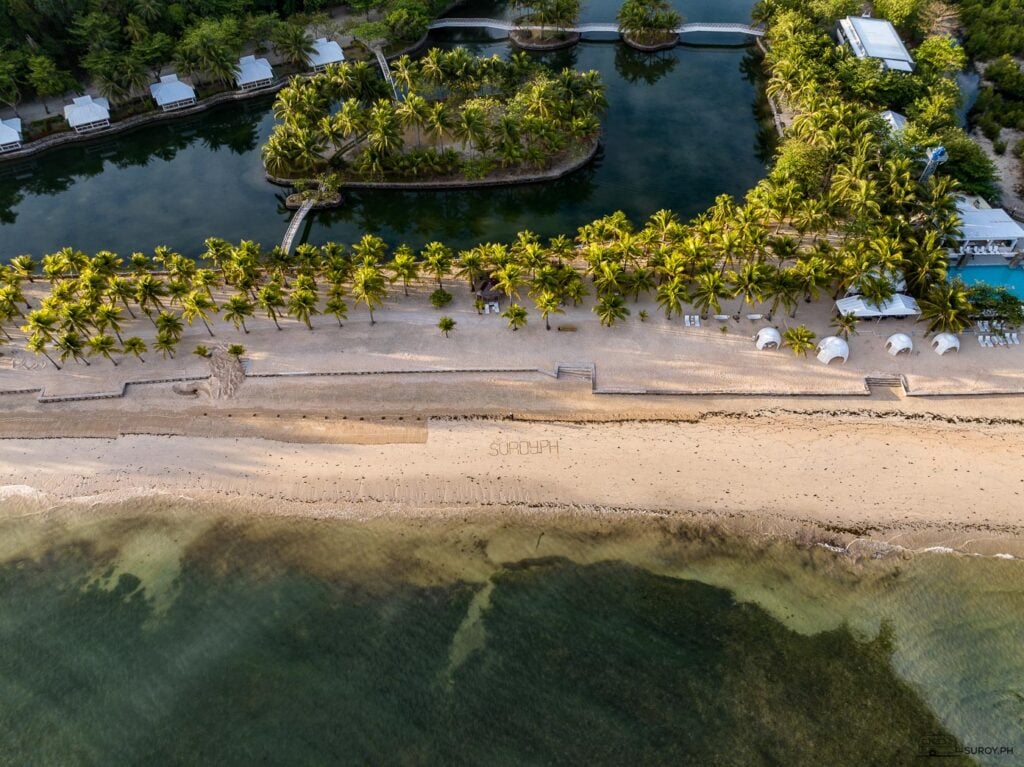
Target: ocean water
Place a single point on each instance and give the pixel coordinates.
(168, 632)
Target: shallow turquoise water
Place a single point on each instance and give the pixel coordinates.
(682, 128)
(151, 639)
(997, 276)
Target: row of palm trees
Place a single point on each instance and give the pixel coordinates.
(512, 112)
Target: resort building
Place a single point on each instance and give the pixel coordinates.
(875, 39)
(986, 231)
(253, 73)
(899, 305)
(325, 52)
(894, 120)
(171, 93)
(10, 134)
(86, 114)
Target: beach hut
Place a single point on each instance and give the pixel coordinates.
(768, 338)
(944, 342)
(86, 114)
(10, 134)
(899, 342)
(833, 348)
(325, 52)
(171, 93)
(897, 306)
(253, 73)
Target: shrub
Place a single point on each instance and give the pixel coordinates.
(440, 298)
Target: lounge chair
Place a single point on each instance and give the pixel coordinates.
(981, 340)
(1015, 338)
(723, 317)
(984, 341)
(686, 319)
(755, 317)
(696, 320)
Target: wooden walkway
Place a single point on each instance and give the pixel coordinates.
(503, 25)
(295, 224)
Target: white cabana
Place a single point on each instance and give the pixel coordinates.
(897, 306)
(943, 342)
(833, 348)
(899, 342)
(875, 39)
(325, 52)
(768, 338)
(85, 113)
(171, 93)
(987, 231)
(10, 134)
(253, 73)
(894, 120)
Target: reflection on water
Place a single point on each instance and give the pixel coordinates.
(168, 631)
(684, 126)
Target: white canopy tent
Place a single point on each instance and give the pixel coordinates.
(171, 93)
(10, 134)
(833, 348)
(897, 306)
(768, 338)
(899, 342)
(253, 73)
(325, 52)
(943, 342)
(87, 114)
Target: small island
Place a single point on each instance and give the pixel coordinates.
(452, 119)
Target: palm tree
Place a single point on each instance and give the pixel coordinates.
(336, 305)
(165, 344)
(235, 350)
(509, 279)
(293, 44)
(800, 339)
(24, 266)
(198, 305)
(446, 325)
(169, 325)
(121, 289)
(671, 296)
(709, 288)
(134, 345)
(611, 308)
(437, 259)
(470, 266)
(302, 306)
(108, 316)
(516, 316)
(237, 309)
(946, 307)
(104, 346)
(70, 346)
(37, 345)
(404, 266)
(271, 299)
(845, 325)
(548, 303)
(368, 288)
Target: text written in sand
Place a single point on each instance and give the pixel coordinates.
(524, 447)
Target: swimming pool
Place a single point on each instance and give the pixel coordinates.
(997, 276)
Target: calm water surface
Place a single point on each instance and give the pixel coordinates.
(161, 633)
(681, 129)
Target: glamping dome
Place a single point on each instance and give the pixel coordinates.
(899, 342)
(832, 348)
(943, 342)
(768, 338)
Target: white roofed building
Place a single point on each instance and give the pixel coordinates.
(894, 120)
(325, 52)
(10, 134)
(987, 231)
(897, 306)
(875, 39)
(171, 93)
(253, 73)
(86, 113)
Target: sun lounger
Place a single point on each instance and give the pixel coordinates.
(723, 317)
(984, 341)
(696, 320)
(981, 340)
(755, 317)
(1015, 338)
(686, 319)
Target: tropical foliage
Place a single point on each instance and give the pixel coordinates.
(457, 116)
(648, 21)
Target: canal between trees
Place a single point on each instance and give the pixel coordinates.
(683, 126)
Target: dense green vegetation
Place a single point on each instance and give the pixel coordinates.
(1000, 102)
(549, 15)
(457, 115)
(648, 22)
(993, 27)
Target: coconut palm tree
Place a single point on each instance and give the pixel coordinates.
(37, 344)
(709, 288)
(509, 279)
(610, 308)
(165, 344)
(108, 316)
(237, 309)
(516, 316)
(302, 305)
(71, 346)
(946, 307)
(671, 295)
(103, 345)
(134, 345)
(336, 305)
(368, 288)
(271, 300)
(446, 325)
(548, 303)
(169, 325)
(404, 267)
(800, 339)
(293, 44)
(845, 325)
(437, 259)
(198, 305)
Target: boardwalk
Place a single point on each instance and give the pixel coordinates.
(386, 70)
(295, 224)
(503, 25)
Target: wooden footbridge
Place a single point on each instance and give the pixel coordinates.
(295, 224)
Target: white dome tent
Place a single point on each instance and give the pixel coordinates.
(899, 342)
(768, 338)
(833, 348)
(944, 342)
